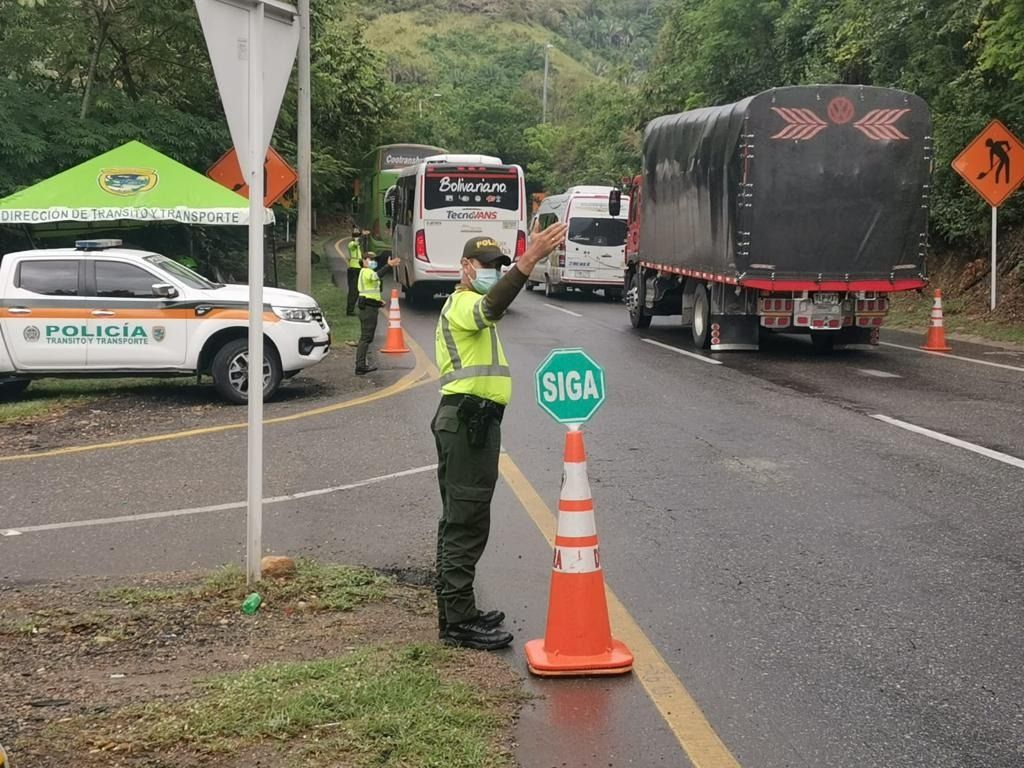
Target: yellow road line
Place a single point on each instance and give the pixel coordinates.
(423, 372)
(682, 714)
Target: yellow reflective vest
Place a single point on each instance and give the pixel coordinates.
(355, 254)
(468, 351)
(369, 284)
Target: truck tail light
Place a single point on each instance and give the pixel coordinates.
(520, 244)
(561, 256)
(421, 245)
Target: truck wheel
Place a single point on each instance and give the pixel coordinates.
(13, 389)
(529, 285)
(230, 371)
(701, 327)
(634, 304)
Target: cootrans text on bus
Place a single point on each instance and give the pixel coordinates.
(380, 171)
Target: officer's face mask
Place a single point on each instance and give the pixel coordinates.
(371, 264)
(482, 279)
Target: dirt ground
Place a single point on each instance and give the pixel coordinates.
(75, 654)
(169, 405)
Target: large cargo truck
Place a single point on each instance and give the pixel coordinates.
(798, 210)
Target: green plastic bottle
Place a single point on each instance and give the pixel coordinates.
(251, 604)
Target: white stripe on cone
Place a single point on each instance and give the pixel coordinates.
(576, 560)
(575, 484)
(576, 524)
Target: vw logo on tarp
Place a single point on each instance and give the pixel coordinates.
(31, 334)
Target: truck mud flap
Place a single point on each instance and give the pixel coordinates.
(734, 333)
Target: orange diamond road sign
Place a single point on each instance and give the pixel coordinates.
(278, 176)
(993, 163)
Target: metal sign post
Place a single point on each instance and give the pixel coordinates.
(252, 47)
(995, 217)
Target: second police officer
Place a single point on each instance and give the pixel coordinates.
(370, 301)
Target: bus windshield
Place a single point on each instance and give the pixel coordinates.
(476, 188)
(587, 231)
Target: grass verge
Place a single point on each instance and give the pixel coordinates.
(913, 312)
(377, 706)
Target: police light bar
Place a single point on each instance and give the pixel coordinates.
(96, 245)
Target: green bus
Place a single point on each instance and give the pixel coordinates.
(381, 167)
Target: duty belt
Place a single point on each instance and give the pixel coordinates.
(477, 413)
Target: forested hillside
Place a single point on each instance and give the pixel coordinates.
(80, 76)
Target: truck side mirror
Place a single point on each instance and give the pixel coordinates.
(165, 290)
(614, 202)
(389, 202)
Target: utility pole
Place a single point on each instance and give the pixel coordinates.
(547, 48)
(303, 235)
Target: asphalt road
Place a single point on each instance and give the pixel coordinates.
(831, 588)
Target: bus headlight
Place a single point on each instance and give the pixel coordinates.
(294, 314)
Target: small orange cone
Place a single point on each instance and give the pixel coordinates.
(395, 341)
(935, 341)
(578, 640)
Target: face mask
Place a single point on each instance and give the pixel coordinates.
(373, 265)
(485, 280)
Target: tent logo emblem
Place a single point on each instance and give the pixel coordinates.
(127, 181)
(31, 334)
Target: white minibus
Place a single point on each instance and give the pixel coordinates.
(439, 204)
(594, 252)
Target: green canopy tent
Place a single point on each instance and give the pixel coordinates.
(132, 182)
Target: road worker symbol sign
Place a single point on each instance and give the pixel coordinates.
(993, 163)
(570, 386)
(278, 176)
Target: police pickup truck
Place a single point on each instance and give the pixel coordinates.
(102, 310)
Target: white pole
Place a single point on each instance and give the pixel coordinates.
(254, 516)
(993, 301)
(303, 236)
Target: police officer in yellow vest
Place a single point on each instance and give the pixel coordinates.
(476, 385)
(370, 301)
(355, 263)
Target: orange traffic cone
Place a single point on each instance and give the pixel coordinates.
(578, 640)
(395, 342)
(935, 341)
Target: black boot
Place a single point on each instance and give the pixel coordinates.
(488, 619)
(473, 634)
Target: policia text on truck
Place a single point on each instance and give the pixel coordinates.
(102, 310)
(476, 385)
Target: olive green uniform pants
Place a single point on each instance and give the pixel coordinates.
(466, 476)
(368, 314)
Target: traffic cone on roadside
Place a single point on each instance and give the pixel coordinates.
(395, 341)
(578, 639)
(935, 341)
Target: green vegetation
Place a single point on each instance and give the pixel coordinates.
(329, 587)
(55, 395)
(912, 313)
(378, 706)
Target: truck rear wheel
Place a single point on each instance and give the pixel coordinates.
(635, 303)
(701, 327)
(230, 372)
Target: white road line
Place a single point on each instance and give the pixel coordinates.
(562, 309)
(683, 352)
(955, 357)
(213, 508)
(1013, 461)
(878, 374)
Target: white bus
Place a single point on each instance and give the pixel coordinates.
(439, 204)
(594, 252)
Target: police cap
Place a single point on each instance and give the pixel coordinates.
(485, 250)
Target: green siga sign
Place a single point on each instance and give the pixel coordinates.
(570, 386)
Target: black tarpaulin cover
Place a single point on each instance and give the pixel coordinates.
(797, 182)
